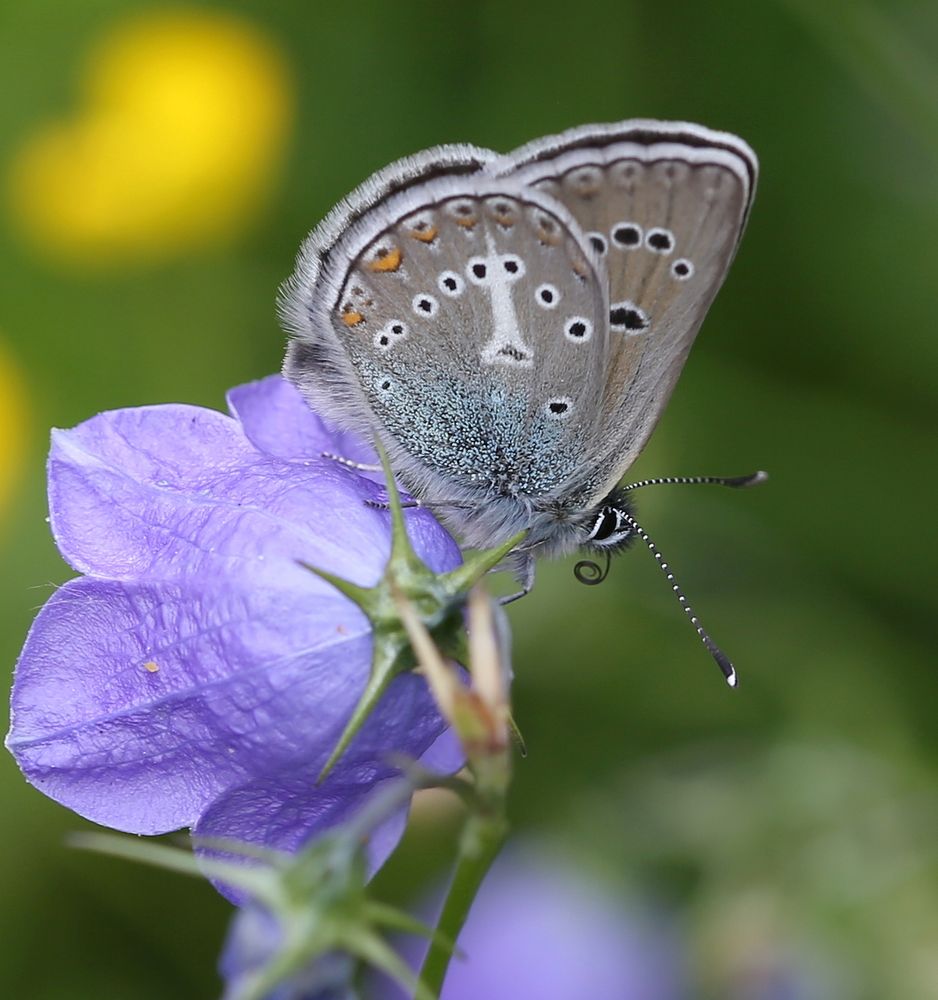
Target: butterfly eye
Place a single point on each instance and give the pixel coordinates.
(607, 528)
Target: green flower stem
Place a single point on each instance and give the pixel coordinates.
(482, 838)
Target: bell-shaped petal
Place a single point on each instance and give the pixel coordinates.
(198, 674)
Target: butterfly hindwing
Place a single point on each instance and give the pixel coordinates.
(470, 316)
(316, 362)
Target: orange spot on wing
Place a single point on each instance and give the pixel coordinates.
(151, 667)
(352, 318)
(427, 235)
(466, 221)
(389, 260)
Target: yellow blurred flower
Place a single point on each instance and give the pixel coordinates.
(13, 427)
(176, 144)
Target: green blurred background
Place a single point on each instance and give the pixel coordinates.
(160, 166)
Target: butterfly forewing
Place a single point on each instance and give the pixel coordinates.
(663, 207)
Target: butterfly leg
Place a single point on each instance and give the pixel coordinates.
(349, 464)
(526, 576)
(384, 505)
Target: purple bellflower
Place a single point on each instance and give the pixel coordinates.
(539, 928)
(197, 674)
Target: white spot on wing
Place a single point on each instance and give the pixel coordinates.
(682, 269)
(478, 270)
(659, 240)
(425, 305)
(598, 242)
(506, 345)
(558, 408)
(450, 283)
(627, 235)
(547, 296)
(512, 266)
(627, 317)
(579, 329)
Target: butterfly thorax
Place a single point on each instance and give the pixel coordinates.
(554, 528)
(602, 527)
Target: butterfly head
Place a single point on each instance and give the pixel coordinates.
(609, 526)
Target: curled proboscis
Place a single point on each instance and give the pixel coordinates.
(591, 573)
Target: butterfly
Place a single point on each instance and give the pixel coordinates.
(512, 326)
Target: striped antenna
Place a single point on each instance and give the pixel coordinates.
(722, 660)
(735, 482)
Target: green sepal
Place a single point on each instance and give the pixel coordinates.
(437, 598)
(390, 917)
(476, 563)
(377, 953)
(253, 881)
(387, 663)
(356, 594)
(318, 897)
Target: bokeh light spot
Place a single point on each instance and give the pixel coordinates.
(14, 422)
(176, 142)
